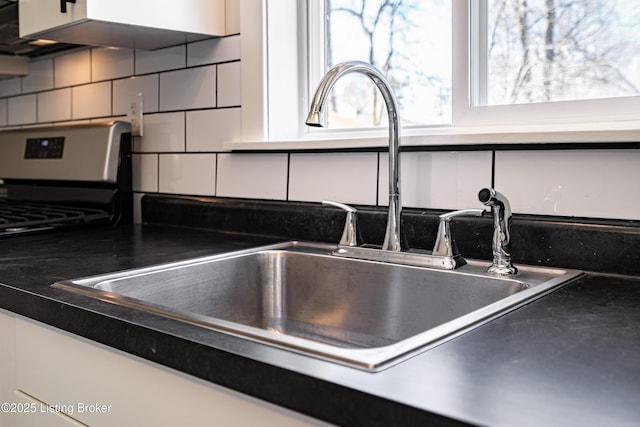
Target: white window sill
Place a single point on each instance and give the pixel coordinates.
(624, 131)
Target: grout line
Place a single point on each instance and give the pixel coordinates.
(53, 73)
(217, 75)
(158, 173)
(186, 54)
(286, 197)
(215, 187)
(111, 89)
(159, 94)
(493, 168)
(378, 182)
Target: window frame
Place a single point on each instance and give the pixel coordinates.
(278, 62)
(468, 108)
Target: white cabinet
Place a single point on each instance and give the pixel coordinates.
(7, 365)
(70, 380)
(144, 24)
(17, 408)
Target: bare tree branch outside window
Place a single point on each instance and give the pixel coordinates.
(537, 51)
(558, 50)
(399, 38)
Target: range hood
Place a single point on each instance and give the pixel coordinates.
(14, 51)
(114, 23)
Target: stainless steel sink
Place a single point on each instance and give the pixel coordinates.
(298, 296)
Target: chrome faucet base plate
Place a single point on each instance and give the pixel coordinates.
(403, 258)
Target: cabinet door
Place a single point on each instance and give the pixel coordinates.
(189, 16)
(39, 415)
(22, 410)
(140, 24)
(7, 364)
(104, 387)
(40, 15)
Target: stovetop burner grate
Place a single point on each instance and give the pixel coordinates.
(17, 216)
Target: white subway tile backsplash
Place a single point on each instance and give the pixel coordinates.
(208, 130)
(229, 93)
(259, 176)
(22, 110)
(342, 177)
(72, 69)
(40, 76)
(93, 100)
(163, 132)
(188, 174)
(10, 87)
(54, 105)
(145, 172)
(589, 183)
(438, 180)
(188, 89)
(110, 63)
(124, 88)
(214, 50)
(184, 88)
(152, 61)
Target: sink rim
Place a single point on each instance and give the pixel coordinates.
(368, 359)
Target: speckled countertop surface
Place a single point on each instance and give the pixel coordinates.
(569, 358)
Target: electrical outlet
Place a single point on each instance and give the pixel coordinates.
(134, 114)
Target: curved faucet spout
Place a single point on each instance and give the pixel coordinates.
(317, 117)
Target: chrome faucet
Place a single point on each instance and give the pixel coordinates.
(317, 117)
(444, 254)
(501, 243)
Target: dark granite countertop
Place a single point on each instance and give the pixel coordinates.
(569, 358)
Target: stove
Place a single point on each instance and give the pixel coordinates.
(62, 177)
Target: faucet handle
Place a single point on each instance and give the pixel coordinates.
(445, 245)
(351, 233)
(464, 212)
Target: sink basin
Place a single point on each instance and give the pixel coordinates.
(300, 297)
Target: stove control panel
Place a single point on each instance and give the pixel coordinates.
(44, 148)
(78, 152)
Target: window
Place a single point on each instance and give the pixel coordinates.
(409, 41)
(464, 71)
(523, 60)
(560, 50)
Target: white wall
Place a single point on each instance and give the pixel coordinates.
(192, 105)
